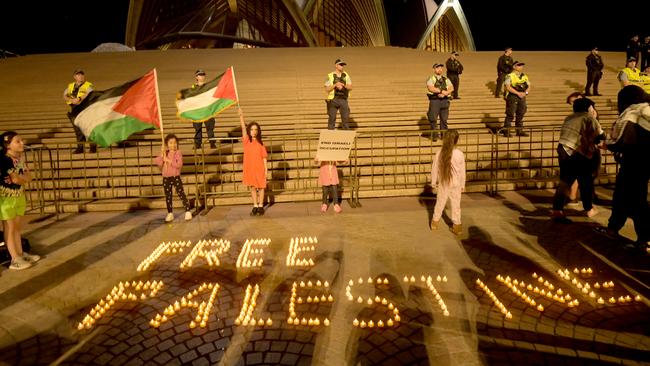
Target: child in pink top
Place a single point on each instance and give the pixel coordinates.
(448, 175)
(170, 161)
(328, 178)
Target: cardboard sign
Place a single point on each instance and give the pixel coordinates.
(335, 145)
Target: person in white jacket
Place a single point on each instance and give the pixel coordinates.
(448, 176)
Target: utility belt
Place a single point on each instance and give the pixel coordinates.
(436, 97)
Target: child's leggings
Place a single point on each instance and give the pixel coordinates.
(168, 182)
(332, 191)
(453, 194)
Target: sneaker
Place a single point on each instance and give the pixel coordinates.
(560, 218)
(456, 229)
(506, 133)
(31, 258)
(260, 211)
(593, 212)
(323, 207)
(188, 215)
(434, 224)
(337, 208)
(78, 150)
(522, 133)
(169, 217)
(213, 145)
(254, 211)
(19, 264)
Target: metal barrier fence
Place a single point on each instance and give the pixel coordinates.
(393, 162)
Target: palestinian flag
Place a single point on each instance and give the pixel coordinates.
(112, 115)
(200, 103)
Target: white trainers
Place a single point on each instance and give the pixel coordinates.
(169, 217)
(31, 258)
(19, 264)
(188, 215)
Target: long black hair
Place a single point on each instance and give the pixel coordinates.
(6, 140)
(259, 132)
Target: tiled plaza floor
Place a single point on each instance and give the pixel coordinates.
(86, 257)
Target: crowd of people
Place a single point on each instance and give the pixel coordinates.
(578, 150)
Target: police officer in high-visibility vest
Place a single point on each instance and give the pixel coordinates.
(517, 88)
(73, 95)
(439, 91)
(337, 87)
(630, 75)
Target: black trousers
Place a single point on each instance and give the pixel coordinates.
(631, 200)
(331, 191)
(168, 183)
(335, 105)
(501, 77)
(455, 81)
(198, 131)
(593, 78)
(515, 109)
(574, 167)
(438, 108)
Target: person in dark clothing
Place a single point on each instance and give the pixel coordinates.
(594, 71)
(645, 53)
(454, 69)
(630, 142)
(633, 48)
(504, 67)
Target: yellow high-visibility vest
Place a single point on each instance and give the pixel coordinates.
(81, 92)
(345, 78)
(518, 81)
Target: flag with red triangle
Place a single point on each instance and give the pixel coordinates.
(112, 115)
(202, 102)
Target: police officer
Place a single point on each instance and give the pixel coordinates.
(630, 74)
(337, 86)
(504, 67)
(633, 47)
(199, 77)
(645, 53)
(454, 69)
(517, 88)
(439, 90)
(73, 95)
(645, 79)
(594, 71)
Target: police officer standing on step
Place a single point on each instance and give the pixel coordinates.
(199, 76)
(73, 95)
(439, 90)
(594, 71)
(337, 87)
(454, 69)
(517, 88)
(504, 67)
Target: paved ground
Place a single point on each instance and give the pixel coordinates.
(86, 255)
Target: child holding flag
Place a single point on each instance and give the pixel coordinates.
(255, 170)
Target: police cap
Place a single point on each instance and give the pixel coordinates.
(340, 62)
(437, 65)
(199, 72)
(78, 71)
(631, 59)
(518, 63)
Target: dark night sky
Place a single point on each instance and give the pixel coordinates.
(523, 25)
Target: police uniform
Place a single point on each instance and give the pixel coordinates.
(438, 105)
(73, 91)
(595, 66)
(198, 126)
(454, 69)
(631, 75)
(515, 105)
(645, 82)
(504, 67)
(337, 100)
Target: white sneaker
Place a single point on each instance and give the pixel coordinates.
(188, 215)
(31, 258)
(19, 264)
(169, 217)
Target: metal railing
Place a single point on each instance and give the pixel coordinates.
(395, 162)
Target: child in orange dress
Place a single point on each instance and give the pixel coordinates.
(255, 170)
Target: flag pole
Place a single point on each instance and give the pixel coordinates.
(160, 120)
(234, 81)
